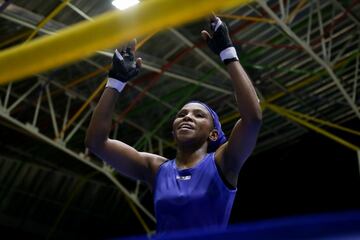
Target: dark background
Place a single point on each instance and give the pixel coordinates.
(311, 176)
(315, 175)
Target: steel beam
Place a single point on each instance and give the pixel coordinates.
(349, 13)
(146, 66)
(78, 125)
(356, 76)
(321, 28)
(20, 99)
(81, 157)
(308, 49)
(37, 108)
(52, 111)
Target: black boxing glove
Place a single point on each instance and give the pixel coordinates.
(123, 69)
(220, 42)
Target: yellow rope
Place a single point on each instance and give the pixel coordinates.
(110, 29)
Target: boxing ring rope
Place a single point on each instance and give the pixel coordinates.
(107, 30)
(325, 226)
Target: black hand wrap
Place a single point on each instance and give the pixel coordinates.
(221, 43)
(123, 66)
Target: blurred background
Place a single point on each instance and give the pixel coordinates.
(302, 57)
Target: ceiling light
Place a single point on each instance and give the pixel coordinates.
(124, 4)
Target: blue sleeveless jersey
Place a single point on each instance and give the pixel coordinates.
(191, 198)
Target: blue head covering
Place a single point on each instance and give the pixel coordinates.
(213, 145)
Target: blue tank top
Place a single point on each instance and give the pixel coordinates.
(195, 197)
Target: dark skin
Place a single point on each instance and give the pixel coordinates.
(193, 129)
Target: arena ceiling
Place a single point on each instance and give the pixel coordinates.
(302, 56)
